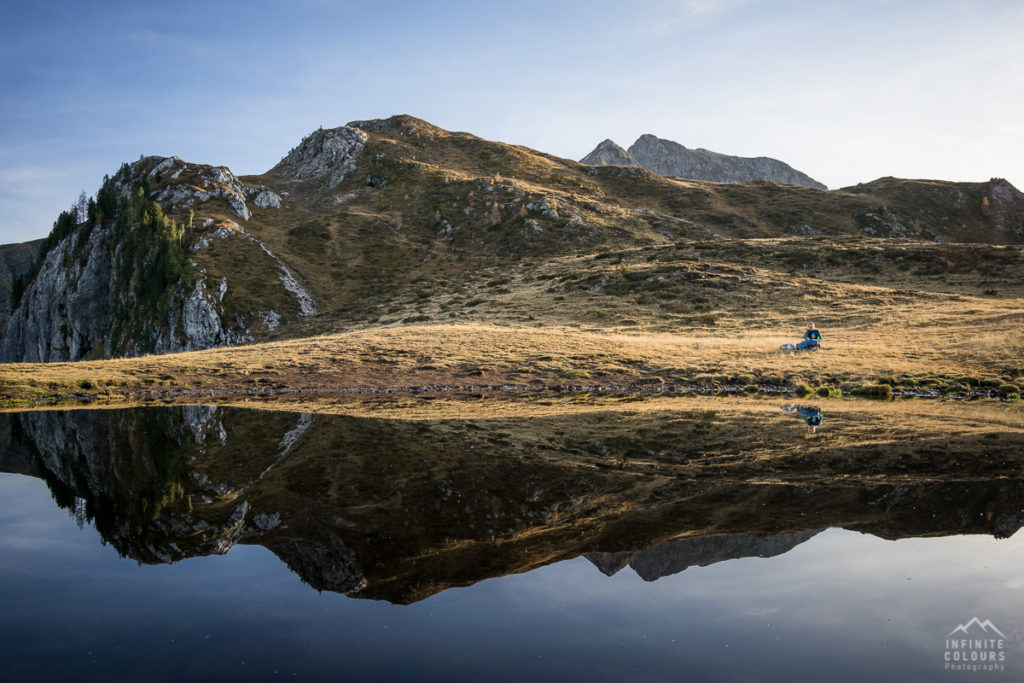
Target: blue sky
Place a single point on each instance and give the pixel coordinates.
(844, 91)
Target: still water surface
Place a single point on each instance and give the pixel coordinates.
(826, 603)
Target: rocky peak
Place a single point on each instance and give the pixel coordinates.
(402, 124)
(670, 158)
(178, 185)
(651, 140)
(609, 154)
(325, 153)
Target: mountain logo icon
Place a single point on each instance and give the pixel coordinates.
(984, 625)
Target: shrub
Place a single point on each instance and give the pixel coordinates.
(803, 391)
(830, 392)
(750, 389)
(575, 373)
(879, 391)
(1007, 389)
(84, 384)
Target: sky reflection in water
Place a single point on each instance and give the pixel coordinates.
(841, 606)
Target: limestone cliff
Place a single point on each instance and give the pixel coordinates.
(15, 263)
(124, 277)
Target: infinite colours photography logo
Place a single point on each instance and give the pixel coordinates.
(975, 646)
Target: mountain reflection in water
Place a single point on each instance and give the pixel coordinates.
(402, 509)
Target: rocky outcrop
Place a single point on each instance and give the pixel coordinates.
(942, 211)
(71, 310)
(267, 200)
(102, 288)
(669, 158)
(185, 185)
(64, 313)
(609, 154)
(325, 153)
(15, 262)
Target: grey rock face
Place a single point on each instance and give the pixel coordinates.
(67, 312)
(1003, 198)
(64, 314)
(330, 153)
(669, 158)
(15, 260)
(609, 154)
(212, 181)
(267, 200)
(202, 321)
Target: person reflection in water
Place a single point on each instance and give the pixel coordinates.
(811, 415)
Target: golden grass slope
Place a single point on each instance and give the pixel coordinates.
(919, 352)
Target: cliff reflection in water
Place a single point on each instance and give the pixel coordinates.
(399, 509)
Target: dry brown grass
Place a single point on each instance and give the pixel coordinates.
(920, 347)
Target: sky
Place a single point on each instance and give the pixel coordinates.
(844, 91)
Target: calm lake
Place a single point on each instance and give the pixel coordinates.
(201, 543)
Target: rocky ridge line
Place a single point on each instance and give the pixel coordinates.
(671, 159)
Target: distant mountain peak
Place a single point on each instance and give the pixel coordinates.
(399, 123)
(609, 154)
(669, 158)
(651, 138)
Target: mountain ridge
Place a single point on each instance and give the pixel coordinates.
(671, 159)
(375, 223)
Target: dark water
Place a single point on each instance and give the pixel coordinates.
(214, 544)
